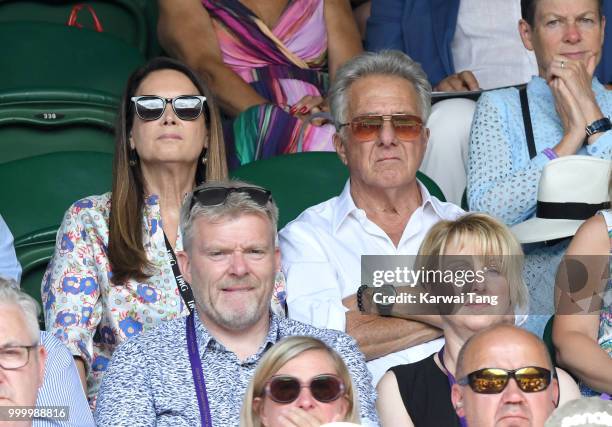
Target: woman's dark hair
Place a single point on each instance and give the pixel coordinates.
(528, 9)
(125, 248)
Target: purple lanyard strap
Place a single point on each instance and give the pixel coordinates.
(196, 371)
(451, 381)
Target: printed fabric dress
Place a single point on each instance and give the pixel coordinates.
(604, 337)
(283, 64)
(88, 314)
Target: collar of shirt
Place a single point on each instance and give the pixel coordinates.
(345, 205)
(207, 342)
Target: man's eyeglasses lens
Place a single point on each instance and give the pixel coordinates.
(324, 388)
(405, 126)
(15, 357)
(186, 107)
(494, 380)
(213, 196)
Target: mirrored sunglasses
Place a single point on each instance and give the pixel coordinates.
(186, 107)
(213, 196)
(530, 379)
(285, 389)
(365, 128)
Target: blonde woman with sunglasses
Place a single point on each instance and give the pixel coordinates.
(300, 382)
(112, 276)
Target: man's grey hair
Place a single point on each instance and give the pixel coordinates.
(235, 205)
(10, 294)
(387, 63)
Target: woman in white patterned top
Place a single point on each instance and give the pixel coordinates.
(111, 275)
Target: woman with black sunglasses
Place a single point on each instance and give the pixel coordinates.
(419, 394)
(301, 382)
(112, 274)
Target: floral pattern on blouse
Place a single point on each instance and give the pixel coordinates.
(82, 308)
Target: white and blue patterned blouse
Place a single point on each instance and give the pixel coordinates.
(83, 309)
(149, 381)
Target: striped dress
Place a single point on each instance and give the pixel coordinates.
(283, 64)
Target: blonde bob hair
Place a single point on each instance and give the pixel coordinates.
(492, 239)
(275, 358)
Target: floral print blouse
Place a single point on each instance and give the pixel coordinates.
(82, 308)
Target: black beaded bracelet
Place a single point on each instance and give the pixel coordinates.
(360, 297)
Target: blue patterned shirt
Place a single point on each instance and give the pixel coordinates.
(502, 180)
(149, 380)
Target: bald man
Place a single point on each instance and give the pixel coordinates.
(522, 390)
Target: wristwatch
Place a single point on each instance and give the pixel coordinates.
(384, 307)
(601, 125)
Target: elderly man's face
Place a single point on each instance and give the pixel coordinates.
(19, 386)
(512, 406)
(231, 267)
(384, 161)
(570, 28)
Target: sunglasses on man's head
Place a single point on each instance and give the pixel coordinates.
(213, 196)
(285, 389)
(186, 107)
(366, 128)
(530, 379)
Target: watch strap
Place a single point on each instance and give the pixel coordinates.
(598, 126)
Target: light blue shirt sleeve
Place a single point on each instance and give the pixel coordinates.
(501, 182)
(62, 386)
(9, 266)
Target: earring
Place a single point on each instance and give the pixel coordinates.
(459, 404)
(204, 156)
(133, 157)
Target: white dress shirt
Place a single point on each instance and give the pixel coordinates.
(487, 42)
(321, 257)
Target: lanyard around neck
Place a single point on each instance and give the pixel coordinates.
(196, 371)
(183, 286)
(451, 381)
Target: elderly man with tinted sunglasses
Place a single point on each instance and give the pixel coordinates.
(195, 370)
(380, 102)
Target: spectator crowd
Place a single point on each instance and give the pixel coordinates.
(477, 139)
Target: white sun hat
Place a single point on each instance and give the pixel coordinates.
(571, 190)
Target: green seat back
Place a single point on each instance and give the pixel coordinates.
(37, 55)
(122, 19)
(301, 180)
(35, 122)
(34, 252)
(36, 191)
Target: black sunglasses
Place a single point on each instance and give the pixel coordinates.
(285, 389)
(186, 107)
(213, 196)
(530, 379)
